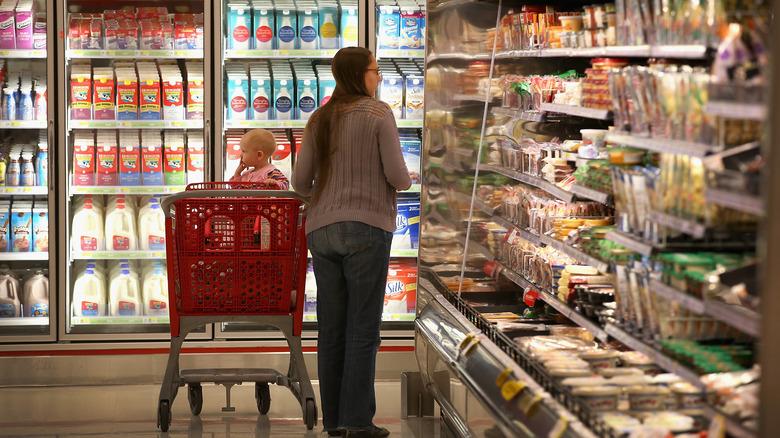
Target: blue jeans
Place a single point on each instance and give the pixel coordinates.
(350, 264)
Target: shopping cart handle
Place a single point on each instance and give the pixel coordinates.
(168, 201)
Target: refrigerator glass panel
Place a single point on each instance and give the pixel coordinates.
(26, 307)
(134, 113)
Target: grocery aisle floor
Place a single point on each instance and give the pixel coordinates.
(131, 410)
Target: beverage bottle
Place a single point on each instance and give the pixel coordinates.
(26, 106)
(36, 295)
(41, 105)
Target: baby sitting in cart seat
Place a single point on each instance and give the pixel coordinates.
(257, 148)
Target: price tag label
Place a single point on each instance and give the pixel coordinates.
(511, 388)
(559, 428)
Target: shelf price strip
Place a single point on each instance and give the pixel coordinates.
(630, 242)
(692, 228)
(590, 194)
(662, 144)
(558, 192)
(574, 110)
(531, 116)
(737, 201)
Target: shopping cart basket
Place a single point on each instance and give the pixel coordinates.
(235, 253)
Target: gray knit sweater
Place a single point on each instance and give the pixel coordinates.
(368, 169)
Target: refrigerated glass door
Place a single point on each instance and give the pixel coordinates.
(27, 311)
(134, 110)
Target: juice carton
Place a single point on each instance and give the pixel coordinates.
(264, 26)
(415, 93)
(107, 165)
(126, 94)
(40, 217)
(83, 162)
(329, 27)
(21, 227)
(195, 159)
(239, 23)
(103, 94)
(308, 25)
(389, 27)
(152, 165)
(129, 164)
(149, 91)
(80, 94)
(409, 31)
(174, 163)
(286, 29)
(7, 27)
(24, 25)
(173, 98)
(194, 93)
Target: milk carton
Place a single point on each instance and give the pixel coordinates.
(129, 159)
(152, 163)
(174, 159)
(39, 31)
(286, 29)
(7, 27)
(10, 297)
(282, 158)
(264, 26)
(173, 96)
(400, 288)
(349, 24)
(24, 25)
(107, 164)
(415, 94)
(83, 160)
(411, 147)
(261, 95)
(21, 227)
(239, 23)
(126, 94)
(195, 159)
(80, 93)
(307, 97)
(103, 94)
(195, 91)
(5, 227)
(409, 30)
(389, 27)
(407, 222)
(283, 99)
(326, 86)
(149, 92)
(40, 221)
(233, 153)
(392, 93)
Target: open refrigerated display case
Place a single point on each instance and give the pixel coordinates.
(27, 311)
(135, 123)
(586, 265)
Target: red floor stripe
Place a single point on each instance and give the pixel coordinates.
(129, 351)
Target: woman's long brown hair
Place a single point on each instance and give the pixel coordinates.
(349, 67)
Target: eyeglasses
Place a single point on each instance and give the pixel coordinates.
(377, 70)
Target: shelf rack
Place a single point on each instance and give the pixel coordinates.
(736, 110)
(686, 226)
(135, 124)
(644, 51)
(286, 124)
(733, 427)
(548, 187)
(579, 111)
(23, 256)
(630, 242)
(132, 54)
(124, 190)
(94, 320)
(574, 316)
(22, 124)
(662, 144)
(591, 195)
(532, 116)
(738, 201)
(115, 255)
(24, 191)
(23, 53)
(744, 320)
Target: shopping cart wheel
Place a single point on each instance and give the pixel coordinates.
(310, 417)
(164, 415)
(195, 397)
(262, 397)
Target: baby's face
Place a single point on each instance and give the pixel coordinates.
(251, 155)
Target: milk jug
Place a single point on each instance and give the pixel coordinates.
(88, 232)
(155, 292)
(151, 227)
(120, 229)
(89, 295)
(10, 305)
(36, 295)
(124, 294)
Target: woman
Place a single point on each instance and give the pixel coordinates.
(351, 165)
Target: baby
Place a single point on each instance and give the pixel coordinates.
(257, 147)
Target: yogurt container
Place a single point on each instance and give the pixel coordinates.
(647, 397)
(578, 382)
(639, 360)
(687, 396)
(614, 372)
(565, 373)
(600, 358)
(594, 137)
(598, 398)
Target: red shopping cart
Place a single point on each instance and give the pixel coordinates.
(235, 253)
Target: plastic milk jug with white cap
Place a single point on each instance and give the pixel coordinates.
(89, 295)
(155, 292)
(36, 295)
(88, 228)
(120, 229)
(10, 303)
(124, 294)
(151, 227)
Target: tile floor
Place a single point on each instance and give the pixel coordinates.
(131, 411)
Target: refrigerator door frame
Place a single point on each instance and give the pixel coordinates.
(120, 333)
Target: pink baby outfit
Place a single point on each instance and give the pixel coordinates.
(263, 174)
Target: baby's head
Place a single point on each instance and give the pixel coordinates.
(257, 147)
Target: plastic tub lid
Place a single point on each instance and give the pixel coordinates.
(584, 381)
(592, 391)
